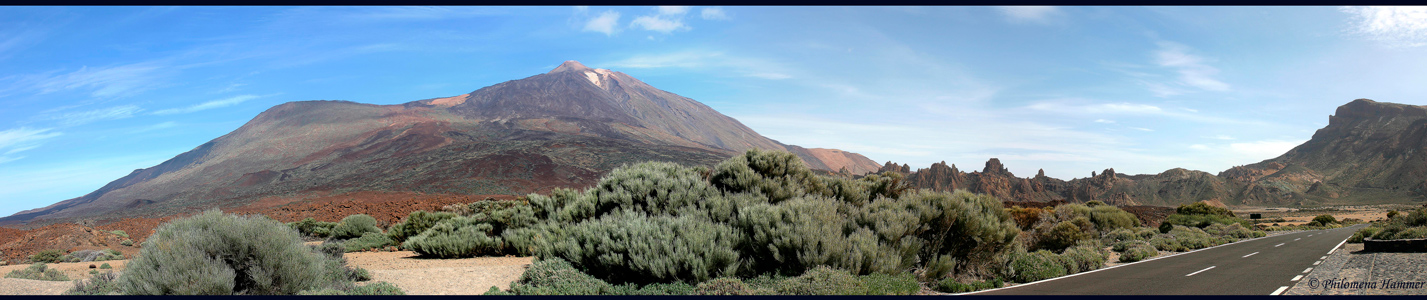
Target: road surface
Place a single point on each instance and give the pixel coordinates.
(1265, 266)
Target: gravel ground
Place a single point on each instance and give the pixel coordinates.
(80, 270)
(418, 276)
(1349, 271)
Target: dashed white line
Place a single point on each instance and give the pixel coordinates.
(1251, 254)
(1317, 262)
(1296, 278)
(1281, 244)
(1197, 272)
(1324, 257)
(1278, 291)
(1297, 239)
(1307, 270)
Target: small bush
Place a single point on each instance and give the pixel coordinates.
(903, 283)
(1066, 234)
(416, 223)
(354, 226)
(99, 284)
(1202, 208)
(1083, 258)
(215, 253)
(92, 255)
(374, 289)
(127, 242)
(359, 274)
(822, 280)
(312, 227)
(120, 233)
(1033, 266)
(1121, 235)
(1108, 218)
(368, 240)
(1166, 242)
(48, 256)
(621, 248)
(663, 289)
(38, 271)
(331, 249)
(1325, 219)
(106, 266)
(553, 276)
(456, 238)
(1138, 252)
(1363, 233)
(950, 285)
(1192, 238)
(723, 286)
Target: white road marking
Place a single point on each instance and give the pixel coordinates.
(1197, 272)
(1278, 291)
(1297, 239)
(1296, 278)
(1340, 244)
(1251, 254)
(1281, 244)
(1324, 257)
(1307, 270)
(1317, 262)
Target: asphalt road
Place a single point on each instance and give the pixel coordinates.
(1262, 266)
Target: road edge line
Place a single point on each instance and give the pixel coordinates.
(1116, 266)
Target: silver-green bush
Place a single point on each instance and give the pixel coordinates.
(218, 254)
(456, 237)
(416, 223)
(354, 226)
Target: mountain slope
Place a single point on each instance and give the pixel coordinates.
(560, 129)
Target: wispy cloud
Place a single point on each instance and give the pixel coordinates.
(17, 140)
(666, 19)
(708, 61)
(90, 116)
(1105, 121)
(225, 102)
(104, 82)
(164, 125)
(604, 23)
(713, 13)
(1069, 107)
(1393, 26)
(1022, 14)
(1193, 71)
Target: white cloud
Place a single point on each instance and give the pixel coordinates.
(713, 13)
(1064, 107)
(658, 23)
(605, 23)
(1105, 121)
(102, 82)
(1193, 72)
(21, 139)
(709, 61)
(1394, 26)
(673, 10)
(1038, 14)
(91, 116)
(225, 102)
(1141, 129)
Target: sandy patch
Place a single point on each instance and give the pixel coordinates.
(421, 276)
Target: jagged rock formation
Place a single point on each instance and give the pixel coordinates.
(1370, 152)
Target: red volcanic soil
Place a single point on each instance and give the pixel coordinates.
(388, 208)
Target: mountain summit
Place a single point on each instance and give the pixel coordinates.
(564, 128)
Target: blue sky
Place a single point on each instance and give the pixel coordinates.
(88, 94)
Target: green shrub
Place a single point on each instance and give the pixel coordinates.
(1202, 221)
(374, 289)
(1192, 238)
(1121, 235)
(332, 249)
(368, 240)
(1107, 218)
(359, 274)
(312, 227)
(903, 283)
(1066, 234)
(1202, 208)
(631, 247)
(127, 242)
(1033, 266)
(553, 276)
(663, 289)
(216, 253)
(776, 174)
(723, 286)
(1325, 219)
(416, 223)
(99, 284)
(951, 285)
(354, 226)
(48, 256)
(1167, 242)
(1165, 227)
(120, 233)
(106, 266)
(1083, 258)
(456, 237)
(92, 255)
(1138, 252)
(822, 280)
(1412, 233)
(1363, 233)
(38, 271)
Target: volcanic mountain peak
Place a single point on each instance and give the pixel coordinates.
(570, 66)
